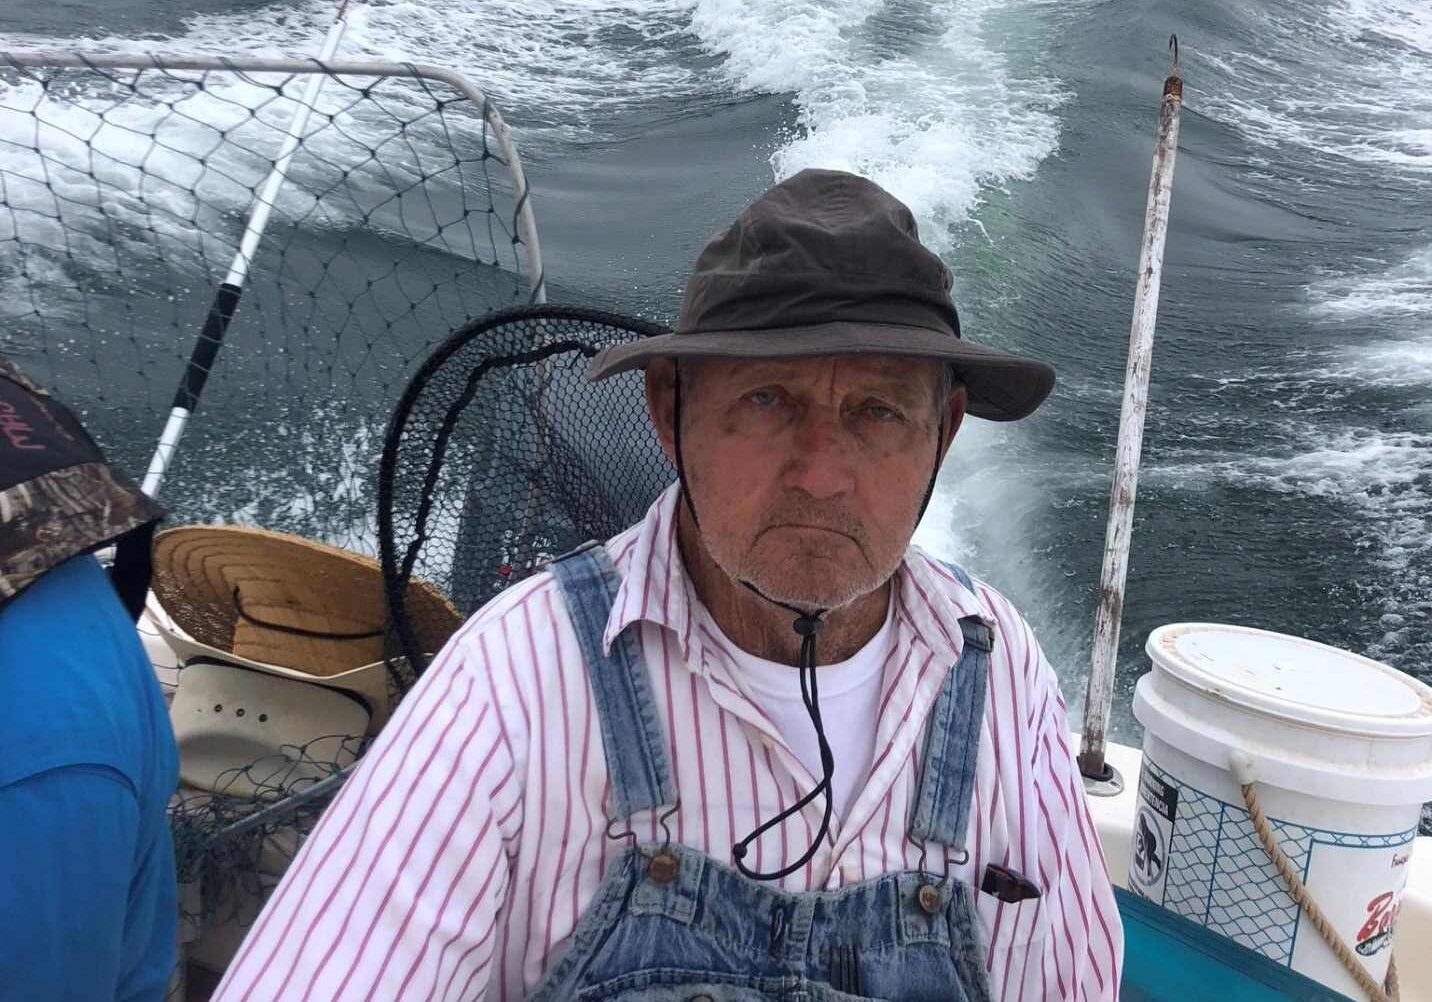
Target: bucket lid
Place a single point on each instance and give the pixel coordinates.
(1298, 680)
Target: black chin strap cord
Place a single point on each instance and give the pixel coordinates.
(807, 624)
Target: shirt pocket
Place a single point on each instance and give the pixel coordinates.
(1012, 932)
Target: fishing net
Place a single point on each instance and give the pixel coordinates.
(231, 843)
(124, 193)
(501, 456)
(234, 842)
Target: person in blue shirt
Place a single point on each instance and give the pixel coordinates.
(88, 909)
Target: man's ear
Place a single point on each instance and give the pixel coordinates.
(954, 417)
(661, 403)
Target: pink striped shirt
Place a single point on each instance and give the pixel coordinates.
(456, 861)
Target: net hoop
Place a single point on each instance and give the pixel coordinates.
(396, 565)
(526, 220)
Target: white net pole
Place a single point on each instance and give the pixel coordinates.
(226, 298)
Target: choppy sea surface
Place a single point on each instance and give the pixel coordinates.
(1287, 477)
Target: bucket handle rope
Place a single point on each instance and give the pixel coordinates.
(1242, 767)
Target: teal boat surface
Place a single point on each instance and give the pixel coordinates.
(1168, 958)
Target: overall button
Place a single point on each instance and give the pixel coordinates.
(929, 898)
(662, 868)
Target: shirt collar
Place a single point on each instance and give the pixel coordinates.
(932, 601)
(654, 585)
(656, 589)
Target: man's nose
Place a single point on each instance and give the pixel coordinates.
(822, 463)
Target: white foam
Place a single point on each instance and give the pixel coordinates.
(1382, 477)
(1406, 21)
(933, 123)
(1404, 289)
(550, 65)
(934, 113)
(557, 61)
(1394, 363)
(1367, 104)
(933, 119)
(1399, 296)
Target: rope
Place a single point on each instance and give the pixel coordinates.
(1386, 992)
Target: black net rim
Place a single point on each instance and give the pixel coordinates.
(395, 575)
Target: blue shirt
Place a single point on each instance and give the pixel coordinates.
(88, 909)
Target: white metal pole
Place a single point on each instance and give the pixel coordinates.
(1099, 695)
(268, 194)
(164, 451)
(226, 298)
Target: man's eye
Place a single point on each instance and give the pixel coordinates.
(880, 412)
(763, 398)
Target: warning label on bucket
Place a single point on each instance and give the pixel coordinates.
(1153, 827)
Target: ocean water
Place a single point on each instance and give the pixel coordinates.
(1287, 477)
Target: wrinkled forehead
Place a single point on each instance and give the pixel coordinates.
(903, 375)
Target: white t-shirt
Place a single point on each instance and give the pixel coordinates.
(849, 698)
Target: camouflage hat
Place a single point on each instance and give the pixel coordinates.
(58, 496)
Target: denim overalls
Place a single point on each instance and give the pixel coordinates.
(669, 924)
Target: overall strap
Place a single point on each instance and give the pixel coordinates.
(952, 738)
(632, 736)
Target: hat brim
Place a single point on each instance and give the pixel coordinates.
(311, 612)
(294, 591)
(368, 683)
(1001, 386)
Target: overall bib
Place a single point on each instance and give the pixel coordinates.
(669, 924)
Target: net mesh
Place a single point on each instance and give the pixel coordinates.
(234, 842)
(124, 194)
(231, 843)
(501, 455)
(123, 198)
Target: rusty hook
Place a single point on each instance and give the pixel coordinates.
(665, 830)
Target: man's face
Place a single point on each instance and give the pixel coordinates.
(807, 474)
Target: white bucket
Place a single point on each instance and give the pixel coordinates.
(1340, 751)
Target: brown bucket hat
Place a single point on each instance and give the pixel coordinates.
(828, 263)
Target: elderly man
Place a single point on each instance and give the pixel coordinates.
(756, 746)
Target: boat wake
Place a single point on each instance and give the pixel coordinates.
(921, 98)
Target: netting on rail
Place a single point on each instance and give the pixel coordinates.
(234, 841)
(501, 455)
(123, 197)
(231, 844)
